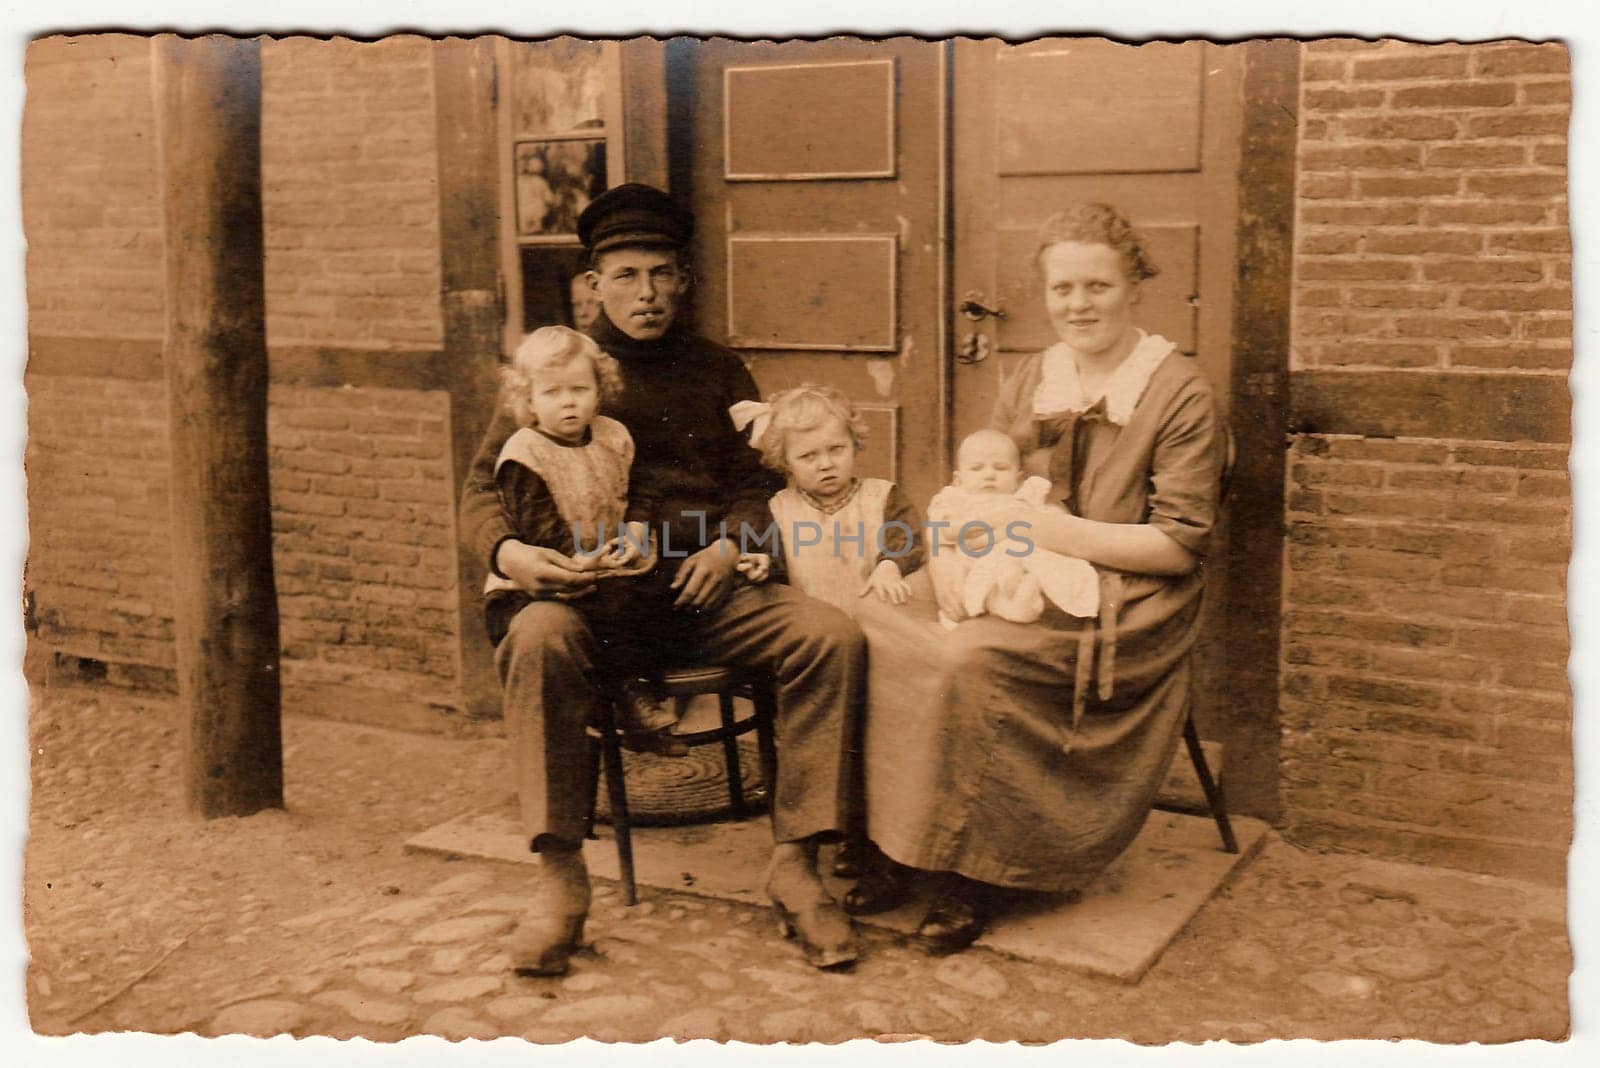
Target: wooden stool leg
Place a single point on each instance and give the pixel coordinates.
(617, 789)
(766, 704)
(1219, 810)
(593, 770)
(730, 753)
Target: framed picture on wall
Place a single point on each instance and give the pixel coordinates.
(556, 178)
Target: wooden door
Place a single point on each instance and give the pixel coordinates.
(1151, 129)
(813, 168)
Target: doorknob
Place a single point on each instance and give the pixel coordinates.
(974, 348)
(973, 307)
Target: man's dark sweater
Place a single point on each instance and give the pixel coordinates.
(687, 456)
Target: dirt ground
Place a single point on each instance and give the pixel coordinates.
(313, 921)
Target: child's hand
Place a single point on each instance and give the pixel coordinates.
(887, 583)
(755, 567)
(623, 552)
(587, 562)
(628, 546)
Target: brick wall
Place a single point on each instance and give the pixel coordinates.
(92, 204)
(361, 485)
(1425, 704)
(99, 564)
(350, 192)
(363, 532)
(364, 537)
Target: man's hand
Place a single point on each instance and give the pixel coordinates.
(706, 577)
(543, 574)
(887, 583)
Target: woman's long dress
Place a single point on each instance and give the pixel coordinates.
(974, 763)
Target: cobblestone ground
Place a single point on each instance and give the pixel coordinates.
(313, 921)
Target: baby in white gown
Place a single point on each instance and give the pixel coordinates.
(1015, 577)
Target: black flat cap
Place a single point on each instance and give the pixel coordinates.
(634, 214)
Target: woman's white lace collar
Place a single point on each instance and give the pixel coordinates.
(1061, 390)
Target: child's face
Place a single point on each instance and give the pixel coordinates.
(988, 465)
(821, 459)
(565, 399)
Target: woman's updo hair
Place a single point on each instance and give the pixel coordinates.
(806, 407)
(1098, 224)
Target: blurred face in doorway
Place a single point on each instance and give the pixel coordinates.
(640, 289)
(585, 305)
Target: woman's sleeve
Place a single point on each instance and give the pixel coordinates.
(483, 524)
(903, 540)
(1186, 469)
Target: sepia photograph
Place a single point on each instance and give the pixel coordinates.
(797, 540)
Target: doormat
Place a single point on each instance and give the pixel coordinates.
(1119, 928)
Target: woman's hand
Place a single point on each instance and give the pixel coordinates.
(887, 583)
(993, 519)
(1136, 547)
(543, 574)
(706, 577)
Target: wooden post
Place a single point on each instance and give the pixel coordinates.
(208, 129)
(464, 96)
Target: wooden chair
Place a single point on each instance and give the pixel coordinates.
(680, 685)
(1215, 806)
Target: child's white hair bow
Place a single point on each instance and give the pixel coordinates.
(757, 415)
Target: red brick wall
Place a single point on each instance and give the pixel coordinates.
(350, 192)
(1425, 704)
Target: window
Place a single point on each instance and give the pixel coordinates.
(558, 131)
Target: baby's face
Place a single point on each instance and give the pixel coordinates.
(988, 465)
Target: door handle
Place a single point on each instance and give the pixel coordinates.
(973, 307)
(974, 348)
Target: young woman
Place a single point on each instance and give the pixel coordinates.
(1028, 756)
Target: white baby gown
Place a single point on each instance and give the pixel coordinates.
(1015, 578)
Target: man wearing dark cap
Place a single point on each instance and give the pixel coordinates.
(703, 478)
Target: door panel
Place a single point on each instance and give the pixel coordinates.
(1095, 107)
(833, 292)
(782, 120)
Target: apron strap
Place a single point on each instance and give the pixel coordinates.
(1110, 606)
(1092, 662)
(1080, 684)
